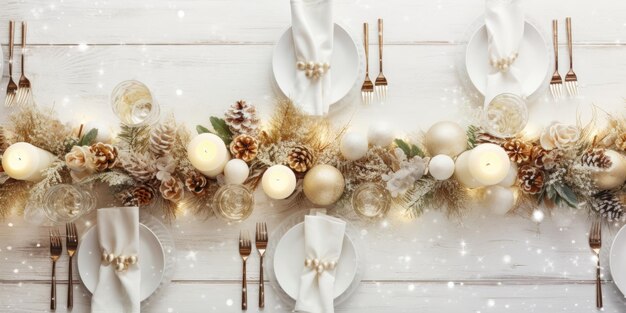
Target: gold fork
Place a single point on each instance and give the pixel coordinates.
(56, 248)
(245, 248)
(71, 244)
(11, 87)
(24, 92)
(381, 81)
(367, 90)
(595, 242)
(556, 83)
(571, 81)
(261, 245)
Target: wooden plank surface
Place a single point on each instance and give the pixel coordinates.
(200, 56)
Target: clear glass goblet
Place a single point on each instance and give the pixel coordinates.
(233, 202)
(65, 203)
(505, 116)
(134, 104)
(371, 200)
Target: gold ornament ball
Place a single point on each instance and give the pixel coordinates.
(323, 184)
(614, 176)
(447, 138)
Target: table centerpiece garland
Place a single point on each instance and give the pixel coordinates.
(148, 166)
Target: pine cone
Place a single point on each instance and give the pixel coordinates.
(103, 156)
(197, 183)
(140, 167)
(596, 158)
(138, 196)
(244, 147)
(162, 139)
(3, 141)
(241, 118)
(172, 189)
(518, 151)
(531, 179)
(608, 205)
(300, 159)
(620, 142)
(483, 137)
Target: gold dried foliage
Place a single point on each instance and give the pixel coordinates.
(13, 196)
(39, 128)
(449, 194)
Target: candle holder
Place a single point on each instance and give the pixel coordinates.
(233, 202)
(134, 104)
(505, 116)
(371, 200)
(65, 203)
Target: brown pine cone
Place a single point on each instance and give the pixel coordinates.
(3, 140)
(103, 156)
(241, 118)
(531, 179)
(596, 158)
(138, 196)
(197, 183)
(518, 151)
(162, 139)
(540, 157)
(483, 137)
(300, 159)
(244, 147)
(172, 189)
(141, 167)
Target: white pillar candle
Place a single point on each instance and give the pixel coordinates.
(236, 171)
(208, 154)
(462, 172)
(23, 161)
(489, 164)
(278, 182)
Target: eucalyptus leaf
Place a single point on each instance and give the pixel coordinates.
(416, 151)
(201, 129)
(221, 129)
(89, 138)
(567, 194)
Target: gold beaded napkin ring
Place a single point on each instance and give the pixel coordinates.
(121, 262)
(319, 266)
(312, 69)
(503, 64)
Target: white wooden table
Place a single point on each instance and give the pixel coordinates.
(200, 56)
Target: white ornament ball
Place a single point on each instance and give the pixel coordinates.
(380, 134)
(441, 167)
(447, 138)
(353, 146)
(323, 184)
(499, 200)
(236, 171)
(511, 177)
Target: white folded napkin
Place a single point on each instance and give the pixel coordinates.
(323, 241)
(312, 28)
(118, 233)
(504, 20)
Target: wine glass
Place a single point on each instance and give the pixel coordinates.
(505, 115)
(65, 203)
(371, 200)
(134, 104)
(233, 202)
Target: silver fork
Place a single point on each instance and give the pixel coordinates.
(245, 247)
(9, 101)
(571, 81)
(24, 93)
(261, 244)
(56, 248)
(595, 242)
(381, 81)
(367, 90)
(556, 83)
(71, 244)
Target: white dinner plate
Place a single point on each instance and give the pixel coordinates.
(289, 262)
(617, 259)
(151, 260)
(533, 60)
(345, 64)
